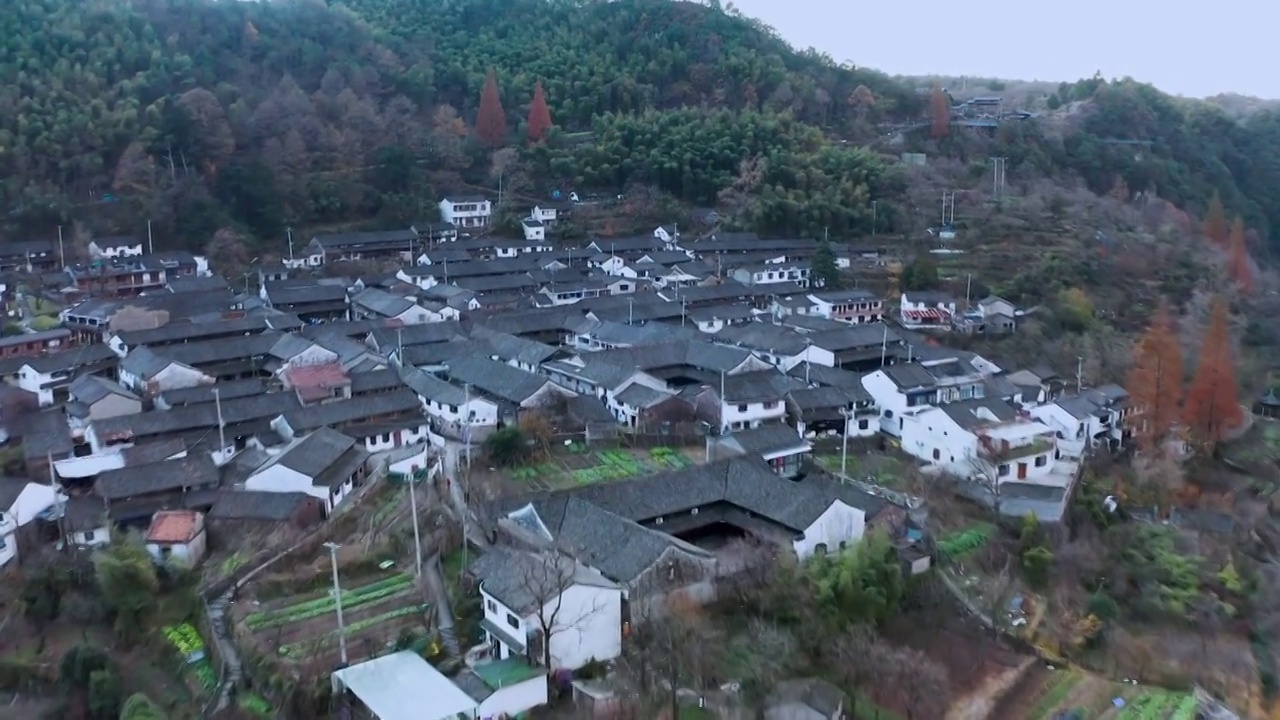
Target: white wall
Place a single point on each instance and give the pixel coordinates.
(755, 414)
(33, 500)
(92, 538)
(8, 539)
(33, 381)
(814, 354)
(838, 523)
(180, 554)
(546, 394)
(892, 403)
(387, 441)
(515, 699)
(279, 478)
(587, 626)
(417, 315)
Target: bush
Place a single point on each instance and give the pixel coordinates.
(1036, 563)
(104, 695)
(1103, 606)
(507, 447)
(44, 322)
(79, 664)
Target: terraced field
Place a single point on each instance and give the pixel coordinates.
(1069, 693)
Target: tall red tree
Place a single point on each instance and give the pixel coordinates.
(1155, 382)
(1238, 257)
(1213, 403)
(491, 120)
(539, 123)
(940, 112)
(1215, 221)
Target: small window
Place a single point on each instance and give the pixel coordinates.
(937, 454)
(493, 606)
(512, 621)
(888, 414)
(88, 536)
(1042, 460)
(1004, 470)
(771, 404)
(862, 424)
(742, 408)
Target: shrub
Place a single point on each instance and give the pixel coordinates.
(1103, 606)
(104, 695)
(1036, 563)
(79, 664)
(507, 447)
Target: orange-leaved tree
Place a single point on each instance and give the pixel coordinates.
(491, 119)
(940, 112)
(1238, 257)
(1155, 381)
(1212, 407)
(539, 123)
(1215, 221)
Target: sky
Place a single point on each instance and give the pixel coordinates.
(1183, 48)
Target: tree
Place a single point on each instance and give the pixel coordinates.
(507, 447)
(1238, 257)
(1213, 404)
(1215, 221)
(539, 123)
(1155, 381)
(921, 274)
(212, 134)
(1160, 474)
(862, 100)
(140, 707)
(448, 131)
(825, 271)
(861, 584)
(135, 172)
(939, 113)
(104, 695)
(1120, 189)
(543, 578)
(491, 119)
(127, 579)
(228, 253)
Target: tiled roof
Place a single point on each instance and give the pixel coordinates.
(174, 526)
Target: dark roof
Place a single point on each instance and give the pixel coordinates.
(196, 283)
(433, 388)
(965, 413)
(152, 452)
(358, 239)
(373, 381)
(228, 390)
(198, 416)
(184, 330)
(352, 410)
(386, 339)
(46, 433)
(89, 389)
(192, 471)
(10, 489)
(316, 452)
(909, 376)
(767, 438)
(74, 359)
(145, 364)
(291, 292)
(254, 505)
(84, 512)
(496, 379)
(24, 338)
(759, 386)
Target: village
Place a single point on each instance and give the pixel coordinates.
(588, 433)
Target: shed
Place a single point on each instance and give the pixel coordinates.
(403, 686)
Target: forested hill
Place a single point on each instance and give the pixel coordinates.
(202, 114)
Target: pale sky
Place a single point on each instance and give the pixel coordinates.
(1186, 48)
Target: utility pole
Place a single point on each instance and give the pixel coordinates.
(466, 433)
(998, 179)
(62, 254)
(337, 602)
(683, 302)
(874, 226)
(289, 231)
(968, 288)
(222, 427)
(844, 443)
(948, 207)
(884, 343)
(151, 246)
(1079, 373)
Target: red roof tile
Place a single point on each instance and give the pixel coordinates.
(173, 526)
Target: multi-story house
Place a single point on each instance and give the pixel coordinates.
(466, 211)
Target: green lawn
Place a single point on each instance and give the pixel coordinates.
(505, 673)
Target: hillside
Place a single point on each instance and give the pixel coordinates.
(200, 114)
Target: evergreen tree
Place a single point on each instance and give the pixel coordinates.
(1155, 382)
(539, 123)
(825, 273)
(1213, 403)
(491, 120)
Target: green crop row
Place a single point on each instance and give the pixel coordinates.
(1055, 693)
(297, 649)
(355, 603)
(1149, 706)
(398, 580)
(205, 675)
(964, 542)
(1186, 709)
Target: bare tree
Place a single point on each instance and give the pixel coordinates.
(990, 463)
(544, 579)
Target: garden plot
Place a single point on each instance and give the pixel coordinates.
(585, 467)
(301, 628)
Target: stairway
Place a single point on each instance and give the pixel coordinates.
(227, 649)
(439, 592)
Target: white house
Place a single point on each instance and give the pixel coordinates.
(377, 304)
(533, 229)
(454, 411)
(466, 211)
(529, 597)
(1094, 418)
(21, 502)
(905, 388)
(8, 538)
(148, 374)
(668, 234)
(325, 464)
(772, 273)
(504, 688)
(177, 537)
(851, 306)
(984, 439)
(115, 247)
(926, 310)
(547, 215)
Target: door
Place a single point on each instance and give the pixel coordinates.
(399, 441)
(1022, 471)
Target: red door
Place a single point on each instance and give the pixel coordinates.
(1022, 471)
(397, 438)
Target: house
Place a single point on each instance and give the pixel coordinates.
(177, 537)
(118, 276)
(512, 389)
(149, 374)
(35, 343)
(49, 376)
(805, 699)
(375, 304)
(745, 400)
(453, 410)
(46, 438)
(833, 402)
(235, 509)
(926, 310)
(397, 245)
(533, 229)
(466, 211)
(1038, 385)
(986, 439)
(536, 597)
(132, 494)
(778, 345)
(120, 246)
(1093, 418)
(382, 421)
(318, 383)
(309, 299)
(85, 523)
(905, 387)
(504, 688)
(403, 686)
(31, 256)
(851, 306)
(188, 330)
(21, 501)
(772, 273)
(777, 444)
(324, 464)
(668, 234)
(95, 398)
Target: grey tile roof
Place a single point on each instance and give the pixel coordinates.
(766, 337)
(46, 433)
(386, 339)
(356, 409)
(192, 471)
(152, 452)
(496, 379)
(768, 438)
(316, 452)
(184, 330)
(432, 388)
(228, 390)
(144, 363)
(760, 386)
(908, 376)
(199, 416)
(381, 302)
(254, 505)
(85, 356)
(10, 489)
(642, 397)
(966, 413)
(89, 389)
(613, 544)
(374, 381)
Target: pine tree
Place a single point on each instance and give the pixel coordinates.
(940, 111)
(825, 270)
(1213, 403)
(1238, 257)
(539, 123)
(1155, 382)
(491, 120)
(1215, 222)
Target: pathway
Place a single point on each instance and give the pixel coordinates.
(439, 592)
(233, 670)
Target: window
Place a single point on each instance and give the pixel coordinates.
(1004, 470)
(888, 414)
(493, 606)
(1042, 460)
(937, 454)
(88, 536)
(862, 424)
(512, 621)
(770, 404)
(742, 408)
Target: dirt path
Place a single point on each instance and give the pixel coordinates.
(979, 704)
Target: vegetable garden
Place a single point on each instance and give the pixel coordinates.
(1159, 705)
(187, 641)
(300, 628)
(584, 467)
